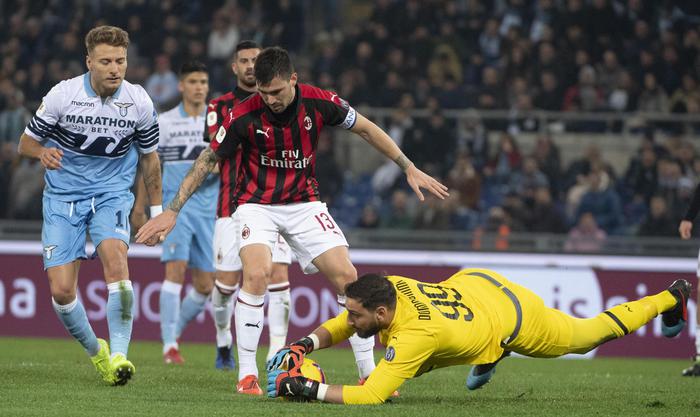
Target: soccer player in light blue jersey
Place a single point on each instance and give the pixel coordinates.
(190, 243)
(90, 132)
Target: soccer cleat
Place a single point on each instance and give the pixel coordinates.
(673, 320)
(479, 375)
(694, 369)
(224, 358)
(172, 356)
(122, 369)
(249, 385)
(362, 381)
(102, 364)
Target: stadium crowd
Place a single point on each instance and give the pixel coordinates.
(515, 55)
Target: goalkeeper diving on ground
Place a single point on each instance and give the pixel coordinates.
(475, 317)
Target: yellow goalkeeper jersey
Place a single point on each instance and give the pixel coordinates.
(462, 320)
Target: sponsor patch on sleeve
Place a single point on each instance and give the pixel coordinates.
(350, 119)
(211, 118)
(221, 134)
(42, 109)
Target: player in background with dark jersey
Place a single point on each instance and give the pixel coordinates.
(685, 229)
(227, 262)
(277, 191)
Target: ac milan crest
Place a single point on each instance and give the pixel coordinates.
(245, 232)
(307, 123)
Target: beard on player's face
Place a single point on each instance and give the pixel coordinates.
(369, 331)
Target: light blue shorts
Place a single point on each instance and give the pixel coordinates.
(191, 240)
(63, 236)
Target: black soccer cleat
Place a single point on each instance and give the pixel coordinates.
(694, 369)
(673, 320)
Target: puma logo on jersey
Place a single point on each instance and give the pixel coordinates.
(264, 132)
(333, 96)
(48, 251)
(289, 393)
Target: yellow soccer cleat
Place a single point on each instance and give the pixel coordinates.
(122, 369)
(102, 363)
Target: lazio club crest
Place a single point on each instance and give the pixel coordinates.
(123, 108)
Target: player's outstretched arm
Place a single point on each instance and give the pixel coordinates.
(162, 224)
(50, 157)
(416, 178)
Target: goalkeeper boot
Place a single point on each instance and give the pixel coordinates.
(172, 356)
(102, 364)
(694, 369)
(122, 369)
(479, 375)
(249, 385)
(362, 381)
(224, 358)
(673, 320)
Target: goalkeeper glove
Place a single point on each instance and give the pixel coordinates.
(291, 385)
(293, 355)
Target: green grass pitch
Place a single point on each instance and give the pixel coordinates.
(53, 377)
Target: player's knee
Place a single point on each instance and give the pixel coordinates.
(347, 274)
(63, 294)
(255, 279)
(203, 284)
(229, 278)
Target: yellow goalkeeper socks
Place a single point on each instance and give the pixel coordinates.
(628, 317)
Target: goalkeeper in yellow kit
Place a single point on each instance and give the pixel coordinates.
(474, 317)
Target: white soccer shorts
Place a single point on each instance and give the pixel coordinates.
(307, 227)
(226, 243)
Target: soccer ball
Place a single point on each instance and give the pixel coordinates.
(312, 370)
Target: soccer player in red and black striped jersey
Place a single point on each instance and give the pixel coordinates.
(228, 264)
(276, 190)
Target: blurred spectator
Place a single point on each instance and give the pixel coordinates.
(388, 173)
(586, 236)
(162, 84)
(652, 98)
(550, 94)
(641, 176)
(659, 221)
(529, 178)
(223, 38)
(435, 213)
(464, 179)
(399, 214)
(545, 217)
(473, 139)
(26, 186)
(369, 218)
(602, 201)
(327, 169)
(546, 153)
(585, 95)
(8, 150)
(14, 118)
(505, 162)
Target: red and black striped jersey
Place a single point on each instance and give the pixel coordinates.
(278, 157)
(218, 110)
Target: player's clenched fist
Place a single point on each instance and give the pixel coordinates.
(51, 158)
(291, 385)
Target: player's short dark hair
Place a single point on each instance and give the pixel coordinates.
(192, 66)
(273, 62)
(372, 291)
(247, 44)
(110, 35)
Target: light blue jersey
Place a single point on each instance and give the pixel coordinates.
(91, 191)
(96, 137)
(181, 142)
